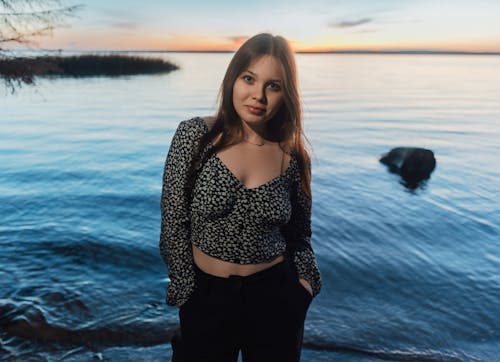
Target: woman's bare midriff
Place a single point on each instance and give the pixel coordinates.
(224, 269)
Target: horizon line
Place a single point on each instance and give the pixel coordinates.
(348, 51)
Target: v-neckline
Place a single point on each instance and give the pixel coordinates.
(238, 181)
(265, 184)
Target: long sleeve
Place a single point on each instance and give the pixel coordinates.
(298, 232)
(175, 244)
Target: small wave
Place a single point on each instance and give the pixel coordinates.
(81, 251)
(412, 354)
(27, 321)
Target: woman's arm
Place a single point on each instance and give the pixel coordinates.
(298, 232)
(175, 244)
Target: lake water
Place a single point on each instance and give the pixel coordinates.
(408, 275)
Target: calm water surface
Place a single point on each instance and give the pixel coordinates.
(408, 275)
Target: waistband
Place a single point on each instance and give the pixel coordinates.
(272, 272)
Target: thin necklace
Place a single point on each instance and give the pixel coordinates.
(256, 144)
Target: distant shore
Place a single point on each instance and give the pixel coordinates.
(26, 68)
(351, 51)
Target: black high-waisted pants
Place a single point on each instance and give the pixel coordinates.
(261, 314)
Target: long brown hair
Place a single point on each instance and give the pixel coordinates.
(286, 124)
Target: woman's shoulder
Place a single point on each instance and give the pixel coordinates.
(194, 126)
(206, 121)
(194, 122)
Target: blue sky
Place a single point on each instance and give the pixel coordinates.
(309, 25)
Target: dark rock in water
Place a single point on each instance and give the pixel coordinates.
(412, 163)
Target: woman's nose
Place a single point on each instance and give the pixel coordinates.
(259, 95)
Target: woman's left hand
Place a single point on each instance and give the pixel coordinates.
(306, 285)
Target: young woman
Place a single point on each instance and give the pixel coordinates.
(236, 216)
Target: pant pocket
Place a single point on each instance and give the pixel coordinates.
(192, 297)
(300, 295)
(294, 280)
(305, 293)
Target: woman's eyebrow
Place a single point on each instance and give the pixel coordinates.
(255, 75)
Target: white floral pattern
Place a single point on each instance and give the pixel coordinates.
(226, 219)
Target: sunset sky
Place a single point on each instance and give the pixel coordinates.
(456, 25)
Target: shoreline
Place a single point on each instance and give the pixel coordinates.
(25, 69)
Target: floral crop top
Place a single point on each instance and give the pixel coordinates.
(226, 219)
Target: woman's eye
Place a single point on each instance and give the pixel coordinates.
(247, 78)
(275, 86)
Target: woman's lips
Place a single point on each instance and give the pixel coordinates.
(254, 110)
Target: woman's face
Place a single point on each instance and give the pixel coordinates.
(257, 92)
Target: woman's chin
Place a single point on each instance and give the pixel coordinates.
(253, 118)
